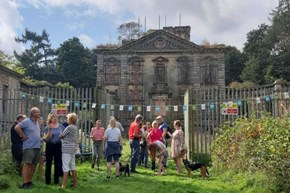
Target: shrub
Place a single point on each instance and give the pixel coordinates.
(255, 145)
(4, 182)
(7, 166)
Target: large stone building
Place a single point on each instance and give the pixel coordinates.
(156, 70)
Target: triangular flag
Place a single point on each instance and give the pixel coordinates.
(49, 101)
(130, 108)
(84, 105)
(41, 99)
(76, 104)
(157, 108)
(268, 99)
(202, 106)
(103, 106)
(67, 103)
(211, 106)
(258, 100)
(139, 108)
(94, 105)
(112, 107)
(239, 102)
(184, 108)
(175, 108)
(193, 107)
(121, 108)
(148, 108)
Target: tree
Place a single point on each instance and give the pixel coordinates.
(39, 59)
(279, 38)
(129, 31)
(76, 63)
(10, 62)
(257, 52)
(234, 64)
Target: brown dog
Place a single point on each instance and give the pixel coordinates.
(194, 166)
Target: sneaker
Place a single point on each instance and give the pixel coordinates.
(93, 165)
(25, 186)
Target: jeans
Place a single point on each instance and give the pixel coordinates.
(135, 145)
(143, 158)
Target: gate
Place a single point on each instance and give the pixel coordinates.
(210, 108)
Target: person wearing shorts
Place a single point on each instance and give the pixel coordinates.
(69, 146)
(29, 131)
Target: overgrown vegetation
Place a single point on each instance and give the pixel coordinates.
(259, 146)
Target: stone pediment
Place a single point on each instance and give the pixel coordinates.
(160, 40)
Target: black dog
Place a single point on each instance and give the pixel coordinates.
(194, 166)
(125, 169)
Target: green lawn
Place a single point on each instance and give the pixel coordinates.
(144, 182)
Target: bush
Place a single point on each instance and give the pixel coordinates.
(7, 166)
(255, 145)
(4, 182)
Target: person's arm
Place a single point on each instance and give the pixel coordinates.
(92, 130)
(164, 132)
(161, 152)
(48, 134)
(20, 132)
(65, 132)
(136, 133)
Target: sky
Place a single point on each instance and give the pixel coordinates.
(95, 22)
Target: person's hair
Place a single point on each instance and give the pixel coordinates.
(138, 117)
(152, 148)
(154, 122)
(20, 116)
(144, 127)
(50, 117)
(177, 123)
(72, 119)
(113, 123)
(34, 110)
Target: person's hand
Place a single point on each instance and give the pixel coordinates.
(24, 138)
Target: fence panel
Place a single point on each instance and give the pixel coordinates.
(206, 112)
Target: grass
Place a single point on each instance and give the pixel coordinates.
(89, 180)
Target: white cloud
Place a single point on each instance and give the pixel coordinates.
(220, 21)
(87, 41)
(9, 23)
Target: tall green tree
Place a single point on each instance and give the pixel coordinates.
(257, 52)
(279, 38)
(234, 64)
(39, 58)
(76, 63)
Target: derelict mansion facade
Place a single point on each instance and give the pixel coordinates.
(156, 70)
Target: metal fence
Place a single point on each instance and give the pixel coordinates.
(84, 101)
(210, 108)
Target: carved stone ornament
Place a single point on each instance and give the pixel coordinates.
(160, 43)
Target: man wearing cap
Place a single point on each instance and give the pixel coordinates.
(134, 139)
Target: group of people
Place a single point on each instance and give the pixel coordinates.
(61, 144)
(143, 138)
(155, 139)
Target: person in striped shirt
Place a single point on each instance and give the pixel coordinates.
(69, 146)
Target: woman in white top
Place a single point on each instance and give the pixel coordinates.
(113, 149)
